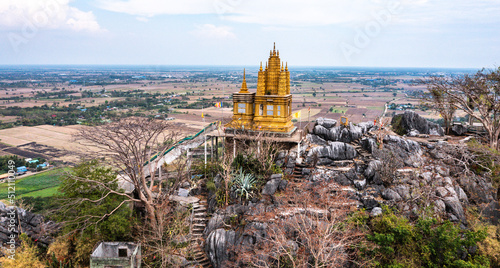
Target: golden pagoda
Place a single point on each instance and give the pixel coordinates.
(270, 108)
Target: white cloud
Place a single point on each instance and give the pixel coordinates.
(46, 14)
(313, 12)
(149, 8)
(211, 31)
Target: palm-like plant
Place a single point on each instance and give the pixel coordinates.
(243, 183)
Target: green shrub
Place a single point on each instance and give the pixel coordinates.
(393, 241)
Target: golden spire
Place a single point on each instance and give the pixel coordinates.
(274, 49)
(244, 88)
(286, 66)
(278, 53)
(282, 66)
(261, 66)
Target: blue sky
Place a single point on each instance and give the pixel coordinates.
(375, 33)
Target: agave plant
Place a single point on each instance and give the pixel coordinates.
(243, 183)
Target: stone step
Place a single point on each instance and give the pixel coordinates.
(199, 253)
(201, 257)
(205, 264)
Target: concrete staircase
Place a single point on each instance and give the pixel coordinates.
(297, 172)
(199, 222)
(361, 151)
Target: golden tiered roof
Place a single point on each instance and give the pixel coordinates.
(275, 79)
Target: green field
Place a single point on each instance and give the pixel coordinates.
(42, 184)
(378, 108)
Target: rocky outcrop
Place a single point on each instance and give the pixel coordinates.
(326, 122)
(14, 220)
(410, 151)
(273, 184)
(334, 151)
(412, 123)
(328, 131)
(414, 176)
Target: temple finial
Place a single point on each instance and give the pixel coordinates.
(244, 88)
(286, 66)
(278, 53)
(282, 66)
(274, 46)
(261, 66)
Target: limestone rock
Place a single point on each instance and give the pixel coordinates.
(218, 244)
(335, 151)
(459, 129)
(454, 207)
(369, 144)
(326, 122)
(372, 168)
(390, 194)
(271, 187)
(411, 121)
(376, 211)
(315, 139)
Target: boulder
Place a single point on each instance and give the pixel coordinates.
(360, 184)
(369, 144)
(403, 191)
(342, 180)
(327, 134)
(218, 245)
(454, 207)
(365, 126)
(459, 130)
(372, 168)
(408, 146)
(439, 206)
(315, 139)
(326, 122)
(391, 195)
(462, 196)
(271, 186)
(335, 151)
(215, 222)
(376, 211)
(410, 121)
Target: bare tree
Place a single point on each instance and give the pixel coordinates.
(135, 148)
(477, 95)
(309, 229)
(442, 102)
